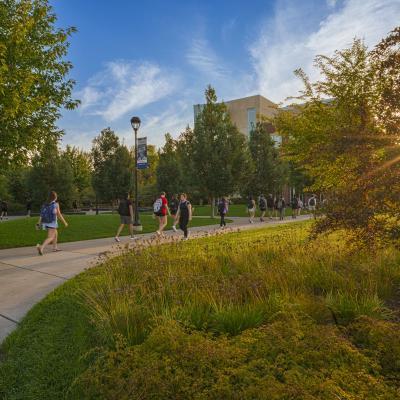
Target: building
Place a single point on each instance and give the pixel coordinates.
(246, 112)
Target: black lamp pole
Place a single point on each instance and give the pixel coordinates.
(135, 122)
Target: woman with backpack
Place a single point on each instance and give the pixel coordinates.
(251, 208)
(222, 211)
(161, 210)
(49, 214)
(184, 215)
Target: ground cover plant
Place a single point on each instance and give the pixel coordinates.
(262, 314)
(21, 232)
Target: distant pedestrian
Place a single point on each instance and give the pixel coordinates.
(4, 210)
(300, 205)
(294, 204)
(222, 211)
(184, 215)
(75, 206)
(281, 205)
(251, 208)
(28, 208)
(262, 204)
(312, 205)
(270, 205)
(125, 211)
(173, 208)
(48, 220)
(161, 210)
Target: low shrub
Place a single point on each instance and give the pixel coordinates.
(288, 359)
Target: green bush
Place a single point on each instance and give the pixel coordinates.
(288, 359)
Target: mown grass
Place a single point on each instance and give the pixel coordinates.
(261, 314)
(21, 232)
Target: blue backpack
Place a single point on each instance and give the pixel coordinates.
(47, 213)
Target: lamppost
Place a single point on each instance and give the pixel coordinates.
(137, 226)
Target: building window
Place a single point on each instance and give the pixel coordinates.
(251, 119)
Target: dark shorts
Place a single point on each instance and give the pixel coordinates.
(126, 219)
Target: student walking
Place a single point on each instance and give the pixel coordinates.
(270, 205)
(125, 211)
(161, 210)
(184, 215)
(300, 206)
(312, 205)
(262, 204)
(28, 208)
(4, 210)
(222, 211)
(173, 208)
(48, 220)
(281, 205)
(295, 205)
(251, 207)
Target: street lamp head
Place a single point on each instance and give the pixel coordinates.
(135, 122)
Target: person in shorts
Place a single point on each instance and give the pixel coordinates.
(312, 205)
(161, 210)
(173, 208)
(125, 211)
(251, 208)
(184, 215)
(49, 214)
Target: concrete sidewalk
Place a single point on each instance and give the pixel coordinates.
(26, 278)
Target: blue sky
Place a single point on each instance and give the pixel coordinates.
(155, 58)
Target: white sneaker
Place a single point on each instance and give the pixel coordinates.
(134, 237)
(174, 228)
(117, 239)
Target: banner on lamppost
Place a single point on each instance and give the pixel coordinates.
(142, 161)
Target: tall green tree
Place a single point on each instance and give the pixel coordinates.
(219, 152)
(33, 78)
(51, 171)
(349, 144)
(169, 171)
(81, 165)
(269, 174)
(112, 167)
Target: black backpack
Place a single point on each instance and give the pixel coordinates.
(221, 207)
(262, 203)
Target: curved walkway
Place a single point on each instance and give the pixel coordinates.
(26, 278)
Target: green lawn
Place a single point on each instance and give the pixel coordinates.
(22, 232)
(235, 210)
(261, 314)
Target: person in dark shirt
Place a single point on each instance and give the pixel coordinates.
(125, 211)
(4, 210)
(184, 215)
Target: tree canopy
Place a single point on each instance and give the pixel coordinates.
(34, 82)
(346, 136)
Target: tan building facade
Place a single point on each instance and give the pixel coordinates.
(246, 112)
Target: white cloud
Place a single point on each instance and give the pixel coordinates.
(331, 3)
(283, 46)
(125, 86)
(202, 57)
